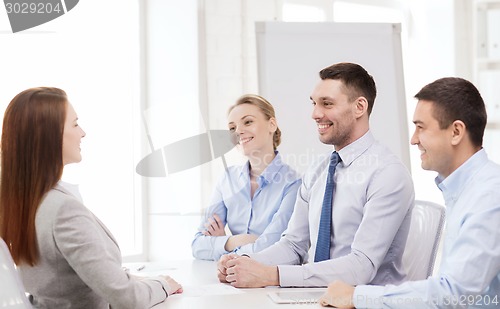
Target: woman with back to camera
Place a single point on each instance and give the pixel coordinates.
(66, 256)
(255, 200)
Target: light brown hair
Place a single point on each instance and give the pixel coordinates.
(266, 108)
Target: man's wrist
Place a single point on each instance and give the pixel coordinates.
(274, 277)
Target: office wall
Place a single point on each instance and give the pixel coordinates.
(230, 69)
(290, 55)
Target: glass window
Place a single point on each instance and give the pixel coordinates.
(302, 12)
(174, 116)
(355, 12)
(92, 52)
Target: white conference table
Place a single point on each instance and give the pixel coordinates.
(202, 289)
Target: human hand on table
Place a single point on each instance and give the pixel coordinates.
(173, 286)
(244, 272)
(221, 266)
(339, 295)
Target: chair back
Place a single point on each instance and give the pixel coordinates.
(12, 292)
(423, 239)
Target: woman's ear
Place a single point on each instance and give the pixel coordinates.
(458, 131)
(273, 125)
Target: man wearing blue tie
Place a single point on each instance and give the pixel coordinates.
(450, 118)
(353, 210)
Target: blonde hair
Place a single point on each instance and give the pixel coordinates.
(266, 108)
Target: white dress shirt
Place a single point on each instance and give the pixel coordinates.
(370, 219)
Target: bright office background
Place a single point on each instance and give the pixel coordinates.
(170, 69)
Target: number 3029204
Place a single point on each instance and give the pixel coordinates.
(32, 8)
(470, 300)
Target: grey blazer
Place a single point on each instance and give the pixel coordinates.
(80, 262)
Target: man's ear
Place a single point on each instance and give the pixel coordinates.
(361, 106)
(458, 131)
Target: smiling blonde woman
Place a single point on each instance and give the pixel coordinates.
(255, 200)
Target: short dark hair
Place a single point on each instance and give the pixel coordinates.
(455, 98)
(356, 80)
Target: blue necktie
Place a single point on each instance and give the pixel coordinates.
(325, 222)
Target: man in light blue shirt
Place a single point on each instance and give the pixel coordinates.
(450, 119)
(370, 210)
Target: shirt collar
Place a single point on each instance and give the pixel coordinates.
(453, 185)
(350, 152)
(69, 188)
